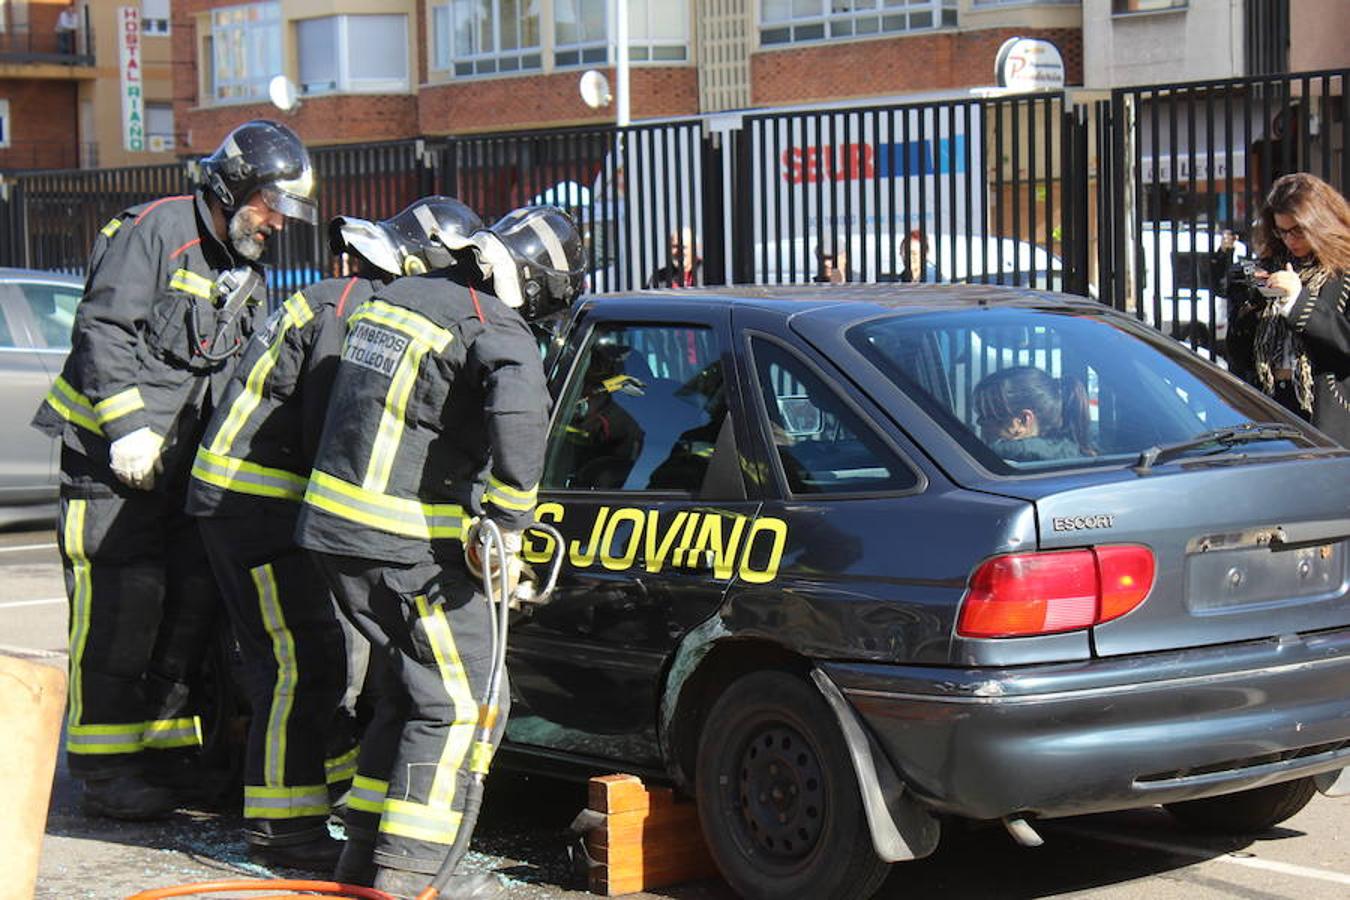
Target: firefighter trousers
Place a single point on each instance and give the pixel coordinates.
(431, 648)
(294, 669)
(143, 609)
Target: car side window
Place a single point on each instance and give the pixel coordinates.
(53, 309)
(6, 335)
(824, 445)
(642, 412)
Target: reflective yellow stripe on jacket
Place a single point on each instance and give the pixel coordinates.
(396, 515)
(502, 494)
(296, 314)
(73, 406)
(425, 336)
(244, 477)
(192, 283)
(118, 405)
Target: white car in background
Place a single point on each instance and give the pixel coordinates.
(37, 312)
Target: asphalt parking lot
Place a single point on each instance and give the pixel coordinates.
(523, 834)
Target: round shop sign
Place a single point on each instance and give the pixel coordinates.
(1028, 64)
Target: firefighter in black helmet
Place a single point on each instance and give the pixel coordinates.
(173, 292)
(439, 415)
(247, 479)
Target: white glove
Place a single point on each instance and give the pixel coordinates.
(135, 458)
(473, 550)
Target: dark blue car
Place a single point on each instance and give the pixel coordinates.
(846, 562)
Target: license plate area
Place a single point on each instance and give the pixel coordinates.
(1257, 568)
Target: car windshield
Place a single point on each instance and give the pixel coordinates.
(1028, 391)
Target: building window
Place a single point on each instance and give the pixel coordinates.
(353, 54)
(486, 37)
(799, 21)
(155, 16)
(580, 32)
(159, 127)
(247, 50)
(1125, 7)
(658, 31)
(4, 123)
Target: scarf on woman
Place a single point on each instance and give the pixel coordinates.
(1272, 332)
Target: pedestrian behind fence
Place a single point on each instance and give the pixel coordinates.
(1299, 289)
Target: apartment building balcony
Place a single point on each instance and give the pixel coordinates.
(26, 52)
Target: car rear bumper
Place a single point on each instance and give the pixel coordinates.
(1075, 738)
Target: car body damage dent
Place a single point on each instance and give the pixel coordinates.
(692, 650)
(901, 829)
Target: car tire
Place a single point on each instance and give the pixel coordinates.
(1246, 812)
(778, 798)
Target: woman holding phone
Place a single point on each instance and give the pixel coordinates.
(1301, 346)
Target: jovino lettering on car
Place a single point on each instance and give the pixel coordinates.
(834, 554)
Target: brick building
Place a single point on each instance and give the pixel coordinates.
(380, 69)
(61, 97)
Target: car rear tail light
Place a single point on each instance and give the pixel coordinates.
(1023, 594)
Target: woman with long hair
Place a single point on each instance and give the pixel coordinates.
(1024, 415)
(1302, 343)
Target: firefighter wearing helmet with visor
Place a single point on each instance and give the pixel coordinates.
(439, 416)
(248, 478)
(173, 292)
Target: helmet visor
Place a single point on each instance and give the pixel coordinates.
(290, 205)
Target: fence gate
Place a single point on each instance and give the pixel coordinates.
(630, 190)
(964, 190)
(1188, 161)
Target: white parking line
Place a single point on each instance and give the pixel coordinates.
(30, 653)
(1198, 853)
(17, 547)
(15, 604)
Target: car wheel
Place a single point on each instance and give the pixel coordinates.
(778, 797)
(1246, 812)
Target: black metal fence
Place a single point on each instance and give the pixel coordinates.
(1124, 198)
(966, 190)
(1184, 163)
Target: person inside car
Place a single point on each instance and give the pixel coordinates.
(1025, 415)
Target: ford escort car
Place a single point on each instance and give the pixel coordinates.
(849, 562)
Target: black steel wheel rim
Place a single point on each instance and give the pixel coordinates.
(781, 793)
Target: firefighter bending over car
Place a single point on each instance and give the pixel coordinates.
(174, 290)
(439, 415)
(248, 478)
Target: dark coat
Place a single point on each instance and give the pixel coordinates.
(1322, 321)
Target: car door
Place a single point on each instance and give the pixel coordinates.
(27, 467)
(644, 481)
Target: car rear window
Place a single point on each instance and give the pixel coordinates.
(1027, 390)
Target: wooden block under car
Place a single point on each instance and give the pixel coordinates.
(647, 838)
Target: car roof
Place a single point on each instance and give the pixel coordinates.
(15, 274)
(869, 299)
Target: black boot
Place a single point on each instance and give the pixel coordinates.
(356, 865)
(461, 886)
(318, 854)
(127, 797)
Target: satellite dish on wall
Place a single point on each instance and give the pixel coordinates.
(595, 89)
(283, 93)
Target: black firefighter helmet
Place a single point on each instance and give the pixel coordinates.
(268, 157)
(549, 254)
(418, 239)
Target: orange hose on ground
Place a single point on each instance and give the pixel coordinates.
(328, 888)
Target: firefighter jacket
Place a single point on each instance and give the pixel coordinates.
(439, 411)
(262, 436)
(137, 355)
